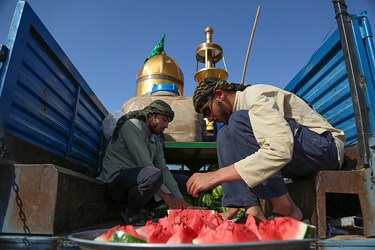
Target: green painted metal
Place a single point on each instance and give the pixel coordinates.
(193, 155)
(196, 145)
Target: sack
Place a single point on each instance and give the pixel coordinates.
(187, 125)
(109, 123)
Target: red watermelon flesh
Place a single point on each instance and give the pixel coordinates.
(154, 233)
(166, 224)
(216, 219)
(252, 225)
(194, 218)
(129, 229)
(226, 232)
(145, 230)
(107, 235)
(182, 234)
(195, 222)
(285, 228)
(175, 215)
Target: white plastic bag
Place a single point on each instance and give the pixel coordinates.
(109, 123)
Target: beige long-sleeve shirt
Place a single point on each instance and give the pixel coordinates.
(269, 108)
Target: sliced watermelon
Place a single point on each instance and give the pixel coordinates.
(203, 213)
(226, 232)
(252, 225)
(182, 234)
(154, 233)
(121, 236)
(214, 220)
(285, 228)
(166, 224)
(129, 229)
(107, 235)
(194, 218)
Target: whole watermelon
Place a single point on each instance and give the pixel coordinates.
(240, 213)
(199, 200)
(207, 200)
(217, 192)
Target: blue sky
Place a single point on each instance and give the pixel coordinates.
(108, 40)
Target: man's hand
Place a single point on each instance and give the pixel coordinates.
(203, 181)
(200, 182)
(175, 203)
(171, 201)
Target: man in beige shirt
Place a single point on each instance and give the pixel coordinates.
(280, 134)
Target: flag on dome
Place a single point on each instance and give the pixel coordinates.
(159, 48)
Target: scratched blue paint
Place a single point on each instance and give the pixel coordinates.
(43, 98)
(324, 84)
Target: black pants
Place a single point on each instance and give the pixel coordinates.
(137, 186)
(235, 141)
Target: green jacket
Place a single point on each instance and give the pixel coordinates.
(134, 148)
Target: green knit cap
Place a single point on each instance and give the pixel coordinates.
(156, 107)
(160, 107)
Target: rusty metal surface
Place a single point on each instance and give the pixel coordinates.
(47, 199)
(357, 182)
(30, 199)
(86, 241)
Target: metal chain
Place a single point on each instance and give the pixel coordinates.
(21, 213)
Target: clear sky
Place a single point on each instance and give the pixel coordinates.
(108, 40)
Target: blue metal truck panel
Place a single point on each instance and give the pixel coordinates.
(43, 98)
(324, 84)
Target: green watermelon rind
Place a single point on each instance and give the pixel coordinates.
(217, 192)
(199, 200)
(306, 231)
(207, 200)
(120, 236)
(288, 228)
(310, 232)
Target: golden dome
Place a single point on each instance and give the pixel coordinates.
(159, 69)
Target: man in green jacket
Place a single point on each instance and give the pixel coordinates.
(268, 134)
(134, 167)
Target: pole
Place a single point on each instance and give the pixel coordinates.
(249, 46)
(356, 81)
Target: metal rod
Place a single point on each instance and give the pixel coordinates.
(356, 80)
(249, 46)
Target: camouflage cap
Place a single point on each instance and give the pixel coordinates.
(206, 88)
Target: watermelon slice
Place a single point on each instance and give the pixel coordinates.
(166, 224)
(107, 235)
(252, 225)
(285, 228)
(154, 233)
(226, 232)
(183, 234)
(129, 229)
(121, 236)
(213, 221)
(194, 218)
(203, 213)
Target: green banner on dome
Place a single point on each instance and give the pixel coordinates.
(159, 48)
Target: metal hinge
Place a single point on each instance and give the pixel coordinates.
(3, 52)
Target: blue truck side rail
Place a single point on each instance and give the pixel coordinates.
(44, 100)
(323, 82)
